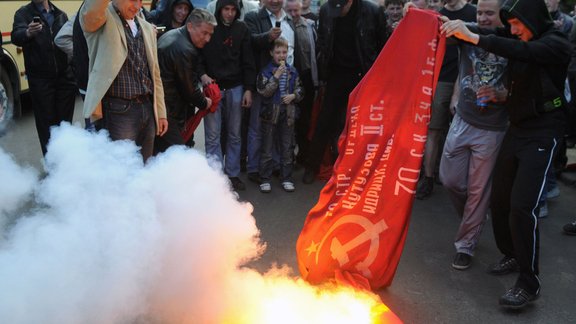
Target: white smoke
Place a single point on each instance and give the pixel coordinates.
(16, 186)
(110, 240)
(113, 241)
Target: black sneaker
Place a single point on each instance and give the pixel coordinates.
(462, 261)
(516, 298)
(254, 177)
(425, 187)
(504, 266)
(237, 184)
(570, 228)
(309, 176)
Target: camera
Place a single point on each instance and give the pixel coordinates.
(36, 19)
(160, 29)
(278, 23)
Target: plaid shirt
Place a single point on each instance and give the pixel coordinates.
(134, 78)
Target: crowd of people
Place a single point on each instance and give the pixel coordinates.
(502, 111)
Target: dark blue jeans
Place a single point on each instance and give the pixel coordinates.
(132, 120)
(229, 116)
(283, 132)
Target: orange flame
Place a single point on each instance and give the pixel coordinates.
(280, 299)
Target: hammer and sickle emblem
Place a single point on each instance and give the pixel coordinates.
(371, 233)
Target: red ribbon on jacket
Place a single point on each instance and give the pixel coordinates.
(211, 91)
(356, 232)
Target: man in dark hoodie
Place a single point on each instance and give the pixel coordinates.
(176, 16)
(230, 63)
(538, 58)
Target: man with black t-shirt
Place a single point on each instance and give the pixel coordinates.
(342, 66)
(440, 109)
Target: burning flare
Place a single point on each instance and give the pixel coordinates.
(277, 298)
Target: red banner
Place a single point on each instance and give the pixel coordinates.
(356, 231)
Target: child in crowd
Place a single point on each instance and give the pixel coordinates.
(280, 86)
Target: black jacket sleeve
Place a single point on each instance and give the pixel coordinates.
(186, 70)
(547, 49)
(19, 28)
(260, 37)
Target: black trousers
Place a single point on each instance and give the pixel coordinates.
(518, 182)
(52, 102)
(332, 117)
(172, 137)
(303, 121)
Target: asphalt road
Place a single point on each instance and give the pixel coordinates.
(426, 289)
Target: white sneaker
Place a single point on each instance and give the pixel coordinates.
(288, 186)
(265, 187)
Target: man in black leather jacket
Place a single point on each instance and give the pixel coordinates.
(341, 66)
(369, 24)
(179, 60)
(51, 80)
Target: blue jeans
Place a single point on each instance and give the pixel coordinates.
(254, 135)
(130, 120)
(229, 114)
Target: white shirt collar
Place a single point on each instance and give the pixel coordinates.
(283, 15)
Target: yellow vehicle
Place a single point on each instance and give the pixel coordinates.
(13, 81)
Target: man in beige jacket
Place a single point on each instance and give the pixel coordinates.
(124, 86)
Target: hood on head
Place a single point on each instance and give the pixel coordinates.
(177, 2)
(223, 3)
(532, 13)
(166, 17)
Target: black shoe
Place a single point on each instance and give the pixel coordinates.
(517, 298)
(254, 177)
(425, 188)
(462, 261)
(504, 266)
(570, 228)
(309, 176)
(237, 184)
